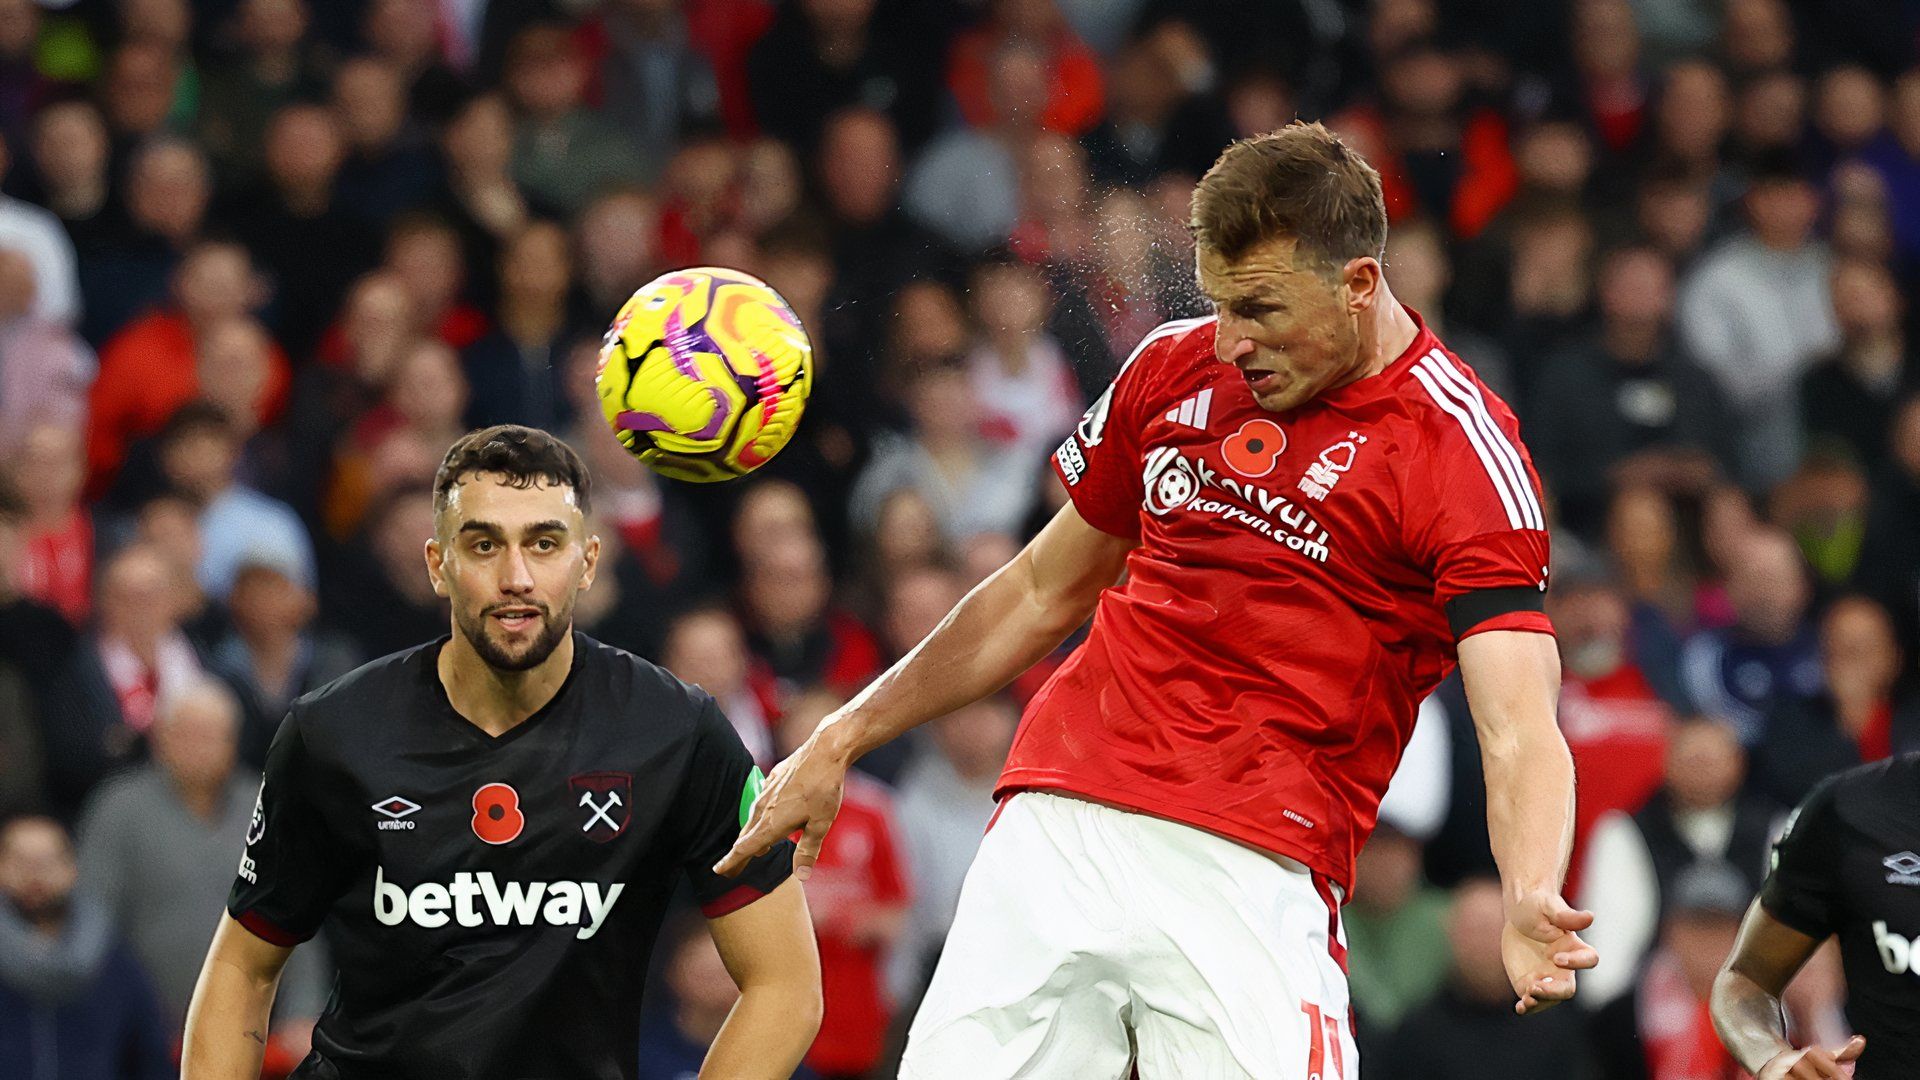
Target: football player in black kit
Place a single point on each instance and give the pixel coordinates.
(1848, 865)
(490, 826)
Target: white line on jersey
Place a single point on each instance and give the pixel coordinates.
(1461, 400)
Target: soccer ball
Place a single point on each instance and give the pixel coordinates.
(704, 374)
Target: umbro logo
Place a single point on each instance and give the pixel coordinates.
(1194, 411)
(1903, 869)
(395, 809)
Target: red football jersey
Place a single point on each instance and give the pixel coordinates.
(1257, 671)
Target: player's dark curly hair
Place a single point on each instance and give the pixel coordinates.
(520, 455)
(1300, 182)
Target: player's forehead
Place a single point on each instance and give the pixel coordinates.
(509, 504)
(1266, 269)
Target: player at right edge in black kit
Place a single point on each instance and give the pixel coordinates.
(490, 826)
(1847, 865)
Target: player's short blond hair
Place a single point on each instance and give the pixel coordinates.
(1300, 182)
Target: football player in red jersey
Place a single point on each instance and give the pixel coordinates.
(1319, 511)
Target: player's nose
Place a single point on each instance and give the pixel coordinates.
(516, 574)
(1230, 345)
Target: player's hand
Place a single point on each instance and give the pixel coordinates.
(1541, 948)
(1813, 1063)
(803, 792)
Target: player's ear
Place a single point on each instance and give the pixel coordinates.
(1363, 279)
(592, 550)
(437, 566)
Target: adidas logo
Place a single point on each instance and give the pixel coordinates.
(1193, 411)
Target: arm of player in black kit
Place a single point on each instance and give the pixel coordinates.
(1003, 627)
(226, 1037)
(289, 876)
(1512, 679)
(769, 950)
(718, 788)
(1795, 912)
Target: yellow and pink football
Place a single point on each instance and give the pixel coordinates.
(704, 374)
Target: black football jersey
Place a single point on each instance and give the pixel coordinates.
(491, 903)
(1849, 864)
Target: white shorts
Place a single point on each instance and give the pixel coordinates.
(1091, 940)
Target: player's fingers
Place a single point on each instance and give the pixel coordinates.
(1566, 918)
(753, 841)
(808, 851)
(1852, 1051)
(1577, 955)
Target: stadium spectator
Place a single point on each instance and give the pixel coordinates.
(273, 65)
(199, 451)
(965, 186)
(155, 843)
(942, 806)
(1396, 931)
(1898, 163)
(563, 152)
(131, 259)
(793, 625)
(654, 82)
(1824, 505)
(1468, 1030)
(406, 36)
(1074, 100)
(1769, 654)
(303, 233)
(1757, 313)
(140, 94)
(71, 156)
(1028, 397)
(1890, 554)
(22, 84)
(401, 437)
(706, 647)
(274, 652)
(389, 167)
(972, 486)
(1629, 406)
(1848, 398)
(858, 895)
(45, 370)
(150, 368)
(23, 668)
(380, 593)
(1634, 859)
(170, 526)
(81, 1007)
(34, 232)
(617, 238)
(906, 538)
(515, 371)
(478, 193)
(1661, 1029)
(1614, 720)
(1857, 719)
(821, 56)
(47, 467)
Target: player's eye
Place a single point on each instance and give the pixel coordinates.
(483, 547)
(546, 544)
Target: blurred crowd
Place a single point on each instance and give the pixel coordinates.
(262, 260)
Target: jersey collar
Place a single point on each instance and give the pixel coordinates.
(429, 656)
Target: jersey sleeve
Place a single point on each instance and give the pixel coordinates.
(719, 788)
(290, 871)
(1100, 460)
(1802, 888)
(1471, 513)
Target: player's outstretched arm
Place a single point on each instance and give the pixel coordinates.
(1513, 681)
(1746, 1003)
(769, 950)
(1002, 628)
(227, 1021)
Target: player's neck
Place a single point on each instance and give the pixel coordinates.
(1386, 331)
(497, 701)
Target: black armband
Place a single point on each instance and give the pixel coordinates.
(1468, 610)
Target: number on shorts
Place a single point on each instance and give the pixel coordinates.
(1323, 1033)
